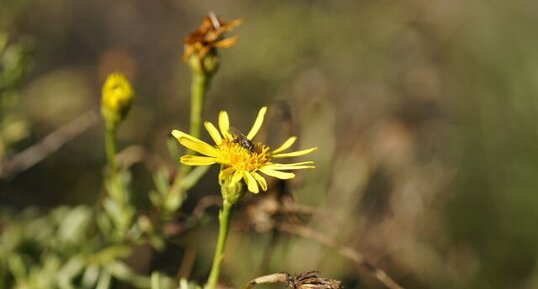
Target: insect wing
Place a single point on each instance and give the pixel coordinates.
(236, 133)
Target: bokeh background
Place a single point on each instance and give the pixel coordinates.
(425, 114)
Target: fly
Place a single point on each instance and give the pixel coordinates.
(242, 140)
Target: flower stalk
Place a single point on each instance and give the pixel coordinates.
(110, 147)
(199, 86)
(117, 98)
(231, 194)
(224, 227)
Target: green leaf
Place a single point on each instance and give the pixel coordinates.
(104, 280)
(160, 178)
(110, 254)
(90, 276)
(123, 272)
(73, 228)
(69, 271)
(161, 281)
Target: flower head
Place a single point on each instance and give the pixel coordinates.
(117, 98)
(208, 36)
(242, 158)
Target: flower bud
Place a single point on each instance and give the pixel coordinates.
(117, 98)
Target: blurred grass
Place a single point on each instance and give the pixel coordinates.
(425, 113)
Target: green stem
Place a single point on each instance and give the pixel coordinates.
(116, 190)
(224, 223)
(199, 86)
(110, 146)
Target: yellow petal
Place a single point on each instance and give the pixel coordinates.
(251, 182)
(197, 160)
(261, 180)
(199, 146)
(295, 154)
(236, 177)
(277, 174)
(294, 166)
(213, 132)
(286, 145)
(195, 144)
(223, 174)
(178, 134)
(224, 125)
(257, 124)
(286, 168)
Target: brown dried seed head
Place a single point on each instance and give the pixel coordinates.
(311, 280)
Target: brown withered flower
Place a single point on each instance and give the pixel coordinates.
(307, 280)
(311, 280)
(209, 36)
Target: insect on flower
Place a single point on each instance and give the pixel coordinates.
(242, 140)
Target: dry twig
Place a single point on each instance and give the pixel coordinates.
(48, 145)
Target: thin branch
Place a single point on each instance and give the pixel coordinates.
(205, 203)
(48, 145)
(187, 263)
(174, 229)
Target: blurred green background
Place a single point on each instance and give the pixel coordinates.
(425, 113)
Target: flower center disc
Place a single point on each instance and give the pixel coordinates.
(240, 158)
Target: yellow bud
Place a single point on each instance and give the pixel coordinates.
(117, 98)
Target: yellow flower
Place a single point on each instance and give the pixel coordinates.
(117, 98)
(240, 157)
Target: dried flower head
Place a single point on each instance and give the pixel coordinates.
(241, 158)
(311, 280)
(307, 280)
(209, 36)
